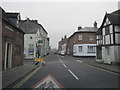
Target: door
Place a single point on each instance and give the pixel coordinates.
(99, 52)
(8, 55)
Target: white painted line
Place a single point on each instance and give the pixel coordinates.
(64, 65)
(79, 61)
(73, 74)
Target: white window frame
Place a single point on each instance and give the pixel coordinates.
(80, 48)
(80, 37)
(91, 50)
(91, 38)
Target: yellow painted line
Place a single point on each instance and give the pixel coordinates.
(26, 78)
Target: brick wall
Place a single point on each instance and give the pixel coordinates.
(17, 38)
(74, 40)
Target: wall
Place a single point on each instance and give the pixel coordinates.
(113, 55)
(84, 50)
(26, 45)
(74, 40)
(17, 38)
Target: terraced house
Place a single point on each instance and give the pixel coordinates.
(83, 42)
(36, 39)
(12, 40)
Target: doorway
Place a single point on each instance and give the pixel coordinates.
(8, 55)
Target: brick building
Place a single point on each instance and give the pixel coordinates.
(83, 42)
(12, 40)
(62, 45)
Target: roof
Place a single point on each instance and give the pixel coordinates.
(86, 30)
(31, 30)
(12, 15)
(114, 18)
(6, 18)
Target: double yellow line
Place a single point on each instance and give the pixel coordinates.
(25, 79)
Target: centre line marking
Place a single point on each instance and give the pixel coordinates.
(69, 70)
(73, 74)
(64, 65)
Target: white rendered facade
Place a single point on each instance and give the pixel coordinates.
(29, 46)
(84, 50)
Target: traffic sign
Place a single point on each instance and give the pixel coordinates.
(49, 82)
(39, 59)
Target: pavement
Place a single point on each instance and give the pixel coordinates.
(14, 74)
(92, 61)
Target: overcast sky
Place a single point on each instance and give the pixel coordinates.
(62, 18)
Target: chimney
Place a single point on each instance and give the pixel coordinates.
(79, 27)
(65, 37)
(95, 24)
(62, 38)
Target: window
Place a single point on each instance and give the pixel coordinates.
(18, 50)
(80, 37)
(80, 48)
(91, 38)
(107, 30)
(31, 45)
(91, 49)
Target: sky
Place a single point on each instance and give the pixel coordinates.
(61, 18)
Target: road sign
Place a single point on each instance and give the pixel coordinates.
(39, 59)
(47, 83)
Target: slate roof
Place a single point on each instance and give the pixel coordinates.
(85, 30)
(12, 15)
(29, 30)
(88, 29)
(6, 18)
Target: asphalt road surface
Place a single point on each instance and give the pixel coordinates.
(68, 72)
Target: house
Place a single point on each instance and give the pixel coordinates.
(12, 40)
(108, 39)
(36, 40)
(83, 42)
(62, 45)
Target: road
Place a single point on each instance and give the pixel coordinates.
(69, 72)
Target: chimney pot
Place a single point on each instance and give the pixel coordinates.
(79, 28)
(95, 24)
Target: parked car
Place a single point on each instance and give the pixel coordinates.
(62, 53)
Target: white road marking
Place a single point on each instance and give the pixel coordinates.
(64, 65)
(73, 74)
(79, 61)
(69, 70)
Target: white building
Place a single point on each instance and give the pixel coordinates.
(84, 50)
(35, 39)
(108, 39)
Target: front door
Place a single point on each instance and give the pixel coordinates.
(8, 55)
